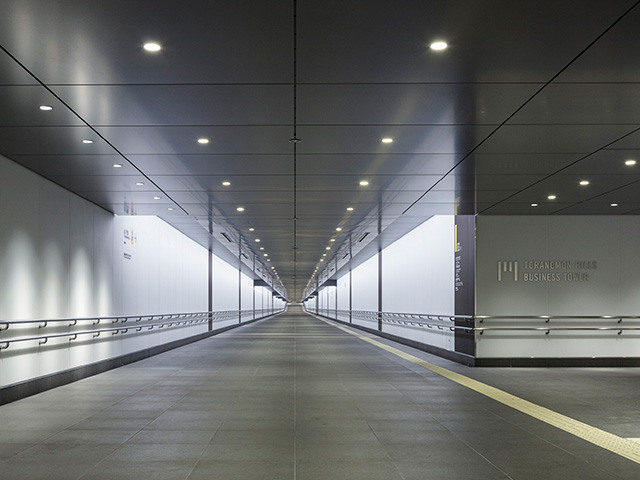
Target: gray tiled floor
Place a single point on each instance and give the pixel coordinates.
(294, 398)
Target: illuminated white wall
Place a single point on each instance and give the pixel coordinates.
(159, 269)
(364, 289)
(56, 261)
(418, 277)
(247, 292)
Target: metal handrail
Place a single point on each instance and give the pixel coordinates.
(140, 322)
(417, 320)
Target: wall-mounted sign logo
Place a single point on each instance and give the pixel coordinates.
(130, 236)
(509, 269)
(546, 270)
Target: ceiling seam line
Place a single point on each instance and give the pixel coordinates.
(562, 70)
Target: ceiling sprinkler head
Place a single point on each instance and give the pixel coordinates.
(294, 140)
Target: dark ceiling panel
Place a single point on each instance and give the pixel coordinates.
(113, 105)
(65, 165)
(518, 163)
(400, 104)
(498, 40)
(614, 58)
(132, 140)
(50, 141)
(66, 42)
(606, 162)
(583, 104)
(382, 164)
(553, 138)
(408, 139)
(21, 107)
(629, 142)
(214, 183)
(231, 165)
(12, 73)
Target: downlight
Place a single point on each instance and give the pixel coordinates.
(438, 46)
(152, 47)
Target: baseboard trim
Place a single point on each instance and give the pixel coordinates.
(27, 388)
(440, 352)
(559, 362)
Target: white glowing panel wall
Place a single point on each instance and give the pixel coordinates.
(343, 292)
(418, 277)
(247, 292)
(364, 290)
(225, 289)
(162, 271)
(225, 286)
(54, 260)
(595, 271)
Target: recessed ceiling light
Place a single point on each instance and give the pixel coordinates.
(440, 45)
(46, 108)
(257, 240)
(333, 239)
(551, 197)
(268, 260)
(584, 182)
(364, 183)
(349, 209)
(251, 229)
(387, 140)
(324, 254)
(265, 254)
(117, 165)
(338, 229)
(328, 248)
(170, 208)
(614, 204)
(261, 248)
(152, 47)
(534, 204)
(240, 209)
(322, 259)
(156, 198)
(87, 141)
(203, 141)
(630, 162)
(139, 184)
(226, 183)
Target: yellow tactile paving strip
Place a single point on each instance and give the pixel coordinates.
(622, 446)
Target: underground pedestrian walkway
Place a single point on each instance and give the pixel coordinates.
(295, 397)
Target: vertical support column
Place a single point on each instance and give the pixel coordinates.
(464, 278)
(379, 268)
(335, 310)
(379, 289)
(210, 293)
(350, 281)
(253, 290)
(240, 280)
